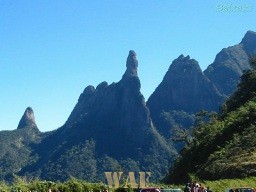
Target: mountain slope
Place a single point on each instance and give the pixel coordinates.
(184, 89)
(230, 63)
(110, 125)
(225, 146)
(110, 128)
(17, 146)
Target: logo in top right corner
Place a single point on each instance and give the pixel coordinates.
(234, 7)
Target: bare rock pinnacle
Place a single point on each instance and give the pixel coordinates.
(28, 119)
(131, 64)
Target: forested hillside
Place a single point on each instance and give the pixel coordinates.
(225, 146)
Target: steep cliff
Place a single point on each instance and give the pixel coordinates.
(184, 88)
(109, 129)
(230, 63)
(28, 119)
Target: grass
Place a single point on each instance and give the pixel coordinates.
(222, 185)
(216, 186)
(219, 185)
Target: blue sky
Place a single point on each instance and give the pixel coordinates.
(51, 50)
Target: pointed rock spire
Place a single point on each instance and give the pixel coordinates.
(28, 119)
(131, 64)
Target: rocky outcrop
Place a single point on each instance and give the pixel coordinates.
(28, 119)
(184, 88)
(249, 43)
(114, 117)
(131, 65)
(230, 63)
(104, 97)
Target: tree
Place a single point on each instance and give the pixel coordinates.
(252, 60)
(182, 135)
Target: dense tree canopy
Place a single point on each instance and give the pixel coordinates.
(224, 147)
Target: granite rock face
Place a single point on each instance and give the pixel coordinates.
(230, 63)
(248, 42)
(131, 64)
(116, 119)
(28, 119)
(116, 116)
(184, 88)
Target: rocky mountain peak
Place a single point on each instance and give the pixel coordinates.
(249, 41)
(102, 85)
(89, 89)
(250, 35)
(184, 88)
(130, 84)
(183, 66)
(131, 64)
(28, 119)
(230, 63)
(116, 117)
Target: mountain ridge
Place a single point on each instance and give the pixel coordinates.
(231, 62)
(109, 121)
(184, 88)
(181, 94)
(113, 128)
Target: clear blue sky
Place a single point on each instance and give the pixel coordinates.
(51, 50)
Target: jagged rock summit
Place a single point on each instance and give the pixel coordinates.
(131, 64)
(28, 119)
(117, 108)
(184, 88)
(128, 88)
(116, 120)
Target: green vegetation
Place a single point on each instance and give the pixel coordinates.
(253, 62)
(16, 151)
(72, 185)
(75, 185)
(225, 146)
(222, 185)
